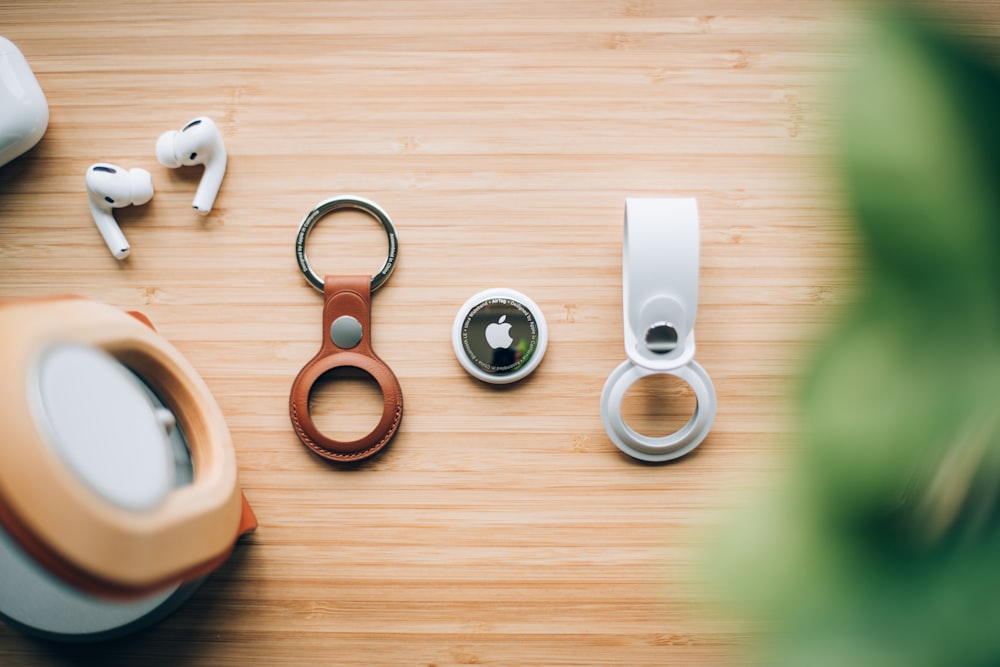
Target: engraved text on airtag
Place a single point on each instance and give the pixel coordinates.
(499, 335)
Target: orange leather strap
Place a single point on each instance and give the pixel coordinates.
(346, 297)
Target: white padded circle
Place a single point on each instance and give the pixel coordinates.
(98, 418)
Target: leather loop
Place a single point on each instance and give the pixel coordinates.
(350, 297)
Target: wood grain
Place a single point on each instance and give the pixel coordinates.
(501, 527)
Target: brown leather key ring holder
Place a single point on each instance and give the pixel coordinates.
(346, 342)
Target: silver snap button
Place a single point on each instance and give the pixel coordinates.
(346, 332)
(661, 338)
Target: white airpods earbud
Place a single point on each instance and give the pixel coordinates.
(198, 142)
(110, 187)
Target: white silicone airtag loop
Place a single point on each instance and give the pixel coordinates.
(665, 448)
(660, 277)
(660, 260)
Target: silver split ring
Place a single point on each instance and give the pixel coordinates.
(336, 204)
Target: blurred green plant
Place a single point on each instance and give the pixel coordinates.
(882, 545)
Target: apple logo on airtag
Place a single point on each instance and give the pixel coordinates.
(499, 335)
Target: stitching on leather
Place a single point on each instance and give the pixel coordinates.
(354, 456)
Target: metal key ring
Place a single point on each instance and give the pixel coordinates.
(336, 204)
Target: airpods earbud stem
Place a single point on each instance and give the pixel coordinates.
(211, 182)
(110, 231)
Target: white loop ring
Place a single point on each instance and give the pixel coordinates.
(665, 448)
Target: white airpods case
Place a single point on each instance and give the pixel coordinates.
(24, 113)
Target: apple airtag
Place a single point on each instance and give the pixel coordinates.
(499, 335)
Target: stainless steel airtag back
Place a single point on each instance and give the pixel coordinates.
(499, 335)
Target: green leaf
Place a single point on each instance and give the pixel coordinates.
(882, 547)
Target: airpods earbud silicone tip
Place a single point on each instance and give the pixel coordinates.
(165, 150)
(141, 185)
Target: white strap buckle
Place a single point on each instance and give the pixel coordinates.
(660, 299)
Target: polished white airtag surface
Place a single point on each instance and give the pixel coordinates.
(98, 417)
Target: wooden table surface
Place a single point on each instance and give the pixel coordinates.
(501, 526)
